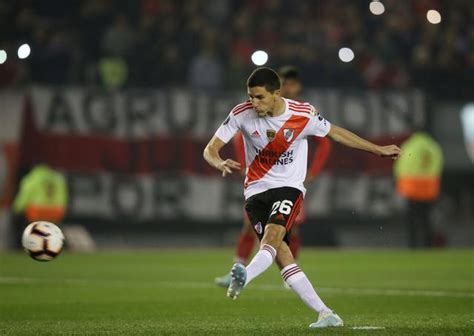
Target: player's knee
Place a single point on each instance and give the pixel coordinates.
(273, 235)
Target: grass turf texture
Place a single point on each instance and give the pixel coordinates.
(171, 292)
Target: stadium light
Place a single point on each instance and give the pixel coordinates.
(376, 7)
(346, 54)
(259, 57)
(24, 51)
(433, 16)
(3, 56)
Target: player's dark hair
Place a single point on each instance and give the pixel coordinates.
(289, 72)
(265, 77)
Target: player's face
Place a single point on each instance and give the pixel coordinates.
(262, 100)
(291, 88)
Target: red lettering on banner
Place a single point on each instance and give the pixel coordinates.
(158, 154)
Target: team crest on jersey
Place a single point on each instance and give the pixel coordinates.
(271, 134)
(258, 228)
(288, 134)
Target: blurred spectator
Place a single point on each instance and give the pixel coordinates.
(159, 39)
(418, 174)
(205, 72)
(217, 10)
(43, 195)
(51, 58)
(118, 43)
(95, 16)
(113, 72)
(119, 39)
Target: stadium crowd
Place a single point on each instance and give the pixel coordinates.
(206, 44)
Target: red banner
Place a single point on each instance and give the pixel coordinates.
(139, 154)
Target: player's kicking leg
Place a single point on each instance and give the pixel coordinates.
(299, 283)
(244, 248)
(241, 275)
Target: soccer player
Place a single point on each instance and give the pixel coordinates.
(275, 131)
(290, 88)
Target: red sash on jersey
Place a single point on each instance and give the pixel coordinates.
(279, 145)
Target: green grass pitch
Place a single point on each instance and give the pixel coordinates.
(171, 292)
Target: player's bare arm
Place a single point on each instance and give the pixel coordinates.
(352, 140)
(211, 155)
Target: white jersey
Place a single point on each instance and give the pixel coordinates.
(276, 148)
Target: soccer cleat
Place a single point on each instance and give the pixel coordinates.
(223, 281)
(238, 275)
(327, 319)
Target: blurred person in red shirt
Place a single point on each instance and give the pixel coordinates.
(291, 88)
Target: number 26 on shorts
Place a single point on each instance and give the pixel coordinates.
(283, 207)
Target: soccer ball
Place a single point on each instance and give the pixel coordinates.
(43, 241)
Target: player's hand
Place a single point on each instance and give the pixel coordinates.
(227, 166)
(392, 151)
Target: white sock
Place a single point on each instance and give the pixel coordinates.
(262, 260)
(298, 281)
